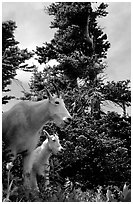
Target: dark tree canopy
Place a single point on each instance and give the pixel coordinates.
(97, 143)
(119, 93)
(12, 56)
(69, 46)
(95, 139)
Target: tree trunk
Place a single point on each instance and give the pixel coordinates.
(124, 109)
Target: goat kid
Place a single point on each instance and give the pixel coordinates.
(39, 160)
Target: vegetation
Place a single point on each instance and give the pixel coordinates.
(12, 57)
(67, 193)
(96, 162)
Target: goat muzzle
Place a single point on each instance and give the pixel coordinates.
(67, 120)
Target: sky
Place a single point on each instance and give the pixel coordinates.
(33, 29)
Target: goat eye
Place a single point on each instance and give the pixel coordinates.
(57, 102)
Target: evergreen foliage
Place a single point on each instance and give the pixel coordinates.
(97, 143)
(95, 140)
(12, 56)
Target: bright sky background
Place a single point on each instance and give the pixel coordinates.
(33, 30)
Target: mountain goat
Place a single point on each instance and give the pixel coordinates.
(21, 124)
(39, 160)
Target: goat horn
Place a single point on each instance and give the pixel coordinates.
(56, 89)
(48, 93)
(46, 133)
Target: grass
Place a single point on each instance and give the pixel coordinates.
(56, 192)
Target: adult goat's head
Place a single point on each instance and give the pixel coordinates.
(57, 110)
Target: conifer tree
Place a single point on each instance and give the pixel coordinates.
(79, 58)
(119, 93)
(80, 46)
(12, 56)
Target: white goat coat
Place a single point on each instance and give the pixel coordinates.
(40, 158)
(39, 161)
